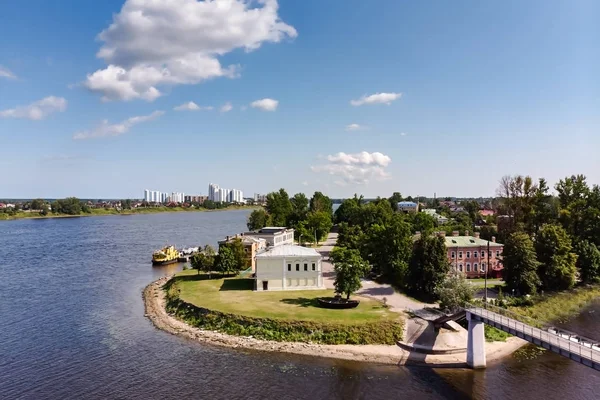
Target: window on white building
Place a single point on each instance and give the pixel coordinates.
(297, 267)
(468, 267)
(314, 266)
(289, 267)
(306, 266)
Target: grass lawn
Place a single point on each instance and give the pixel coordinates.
(480, 282)
(235, 296)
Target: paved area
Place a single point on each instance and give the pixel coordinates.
(396, 301)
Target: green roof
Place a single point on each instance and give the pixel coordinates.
(468, 241)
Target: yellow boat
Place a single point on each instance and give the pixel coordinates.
(167, 255)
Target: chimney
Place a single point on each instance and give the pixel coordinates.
(227, 238)
(476, 234)
(466, 233)
(454, 233)
(441, 234)
(494, 239)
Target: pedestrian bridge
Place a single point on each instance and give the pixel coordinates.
(568, 344)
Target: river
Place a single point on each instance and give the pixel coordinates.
(72, 326)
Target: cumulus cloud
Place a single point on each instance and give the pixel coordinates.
(354, 127)
(377, 98)
(154, 43)
(265, 104)
(226, 107)
(6, 73)
(191, 106)
(105, 129)
(37, 110)
(357, 168)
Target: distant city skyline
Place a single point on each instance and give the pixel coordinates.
(308, 95)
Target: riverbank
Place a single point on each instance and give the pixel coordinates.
(155, 309)
(111, 211)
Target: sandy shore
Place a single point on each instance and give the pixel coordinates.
(154, 300)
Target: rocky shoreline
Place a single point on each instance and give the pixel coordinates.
(154, 303)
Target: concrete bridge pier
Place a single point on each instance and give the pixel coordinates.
(475, 343)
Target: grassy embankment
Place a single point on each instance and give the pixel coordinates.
(550, 308)
(112, 211)
(230, 306)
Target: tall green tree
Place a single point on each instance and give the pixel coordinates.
(37, 204)
(388, 248)
(299, 211)
(351, 237)
(204, 260)
(557, 269)
(349, 269)
(588, 261)
(237, 248)
(319, 222)
(321, 203)
(520, 264)
(394, 199)
(428, 266)
(225, 261)
(258, 219)
(279, 207)
(422, 222)
(349, 210)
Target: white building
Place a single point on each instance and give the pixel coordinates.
(154, 196)
(236, 196)
(177, 197)
(408, 207)
(222, 196)
(213, 190)
(274, 235)
(288, 267)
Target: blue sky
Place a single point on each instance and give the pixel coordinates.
(461, 93)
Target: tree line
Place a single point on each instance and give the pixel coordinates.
(311, 219)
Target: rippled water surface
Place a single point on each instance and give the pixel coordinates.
(72, 325)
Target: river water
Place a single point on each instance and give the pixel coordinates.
(72, 325)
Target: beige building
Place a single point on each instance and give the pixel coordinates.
(288, 267)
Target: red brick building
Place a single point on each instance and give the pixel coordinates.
(469, 255)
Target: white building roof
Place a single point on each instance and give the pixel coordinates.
(288, 250)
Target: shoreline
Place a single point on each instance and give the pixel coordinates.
(116, 214)
(154, 306)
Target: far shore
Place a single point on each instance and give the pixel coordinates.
(155, 302)
(113, 212)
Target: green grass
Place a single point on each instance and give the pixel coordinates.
(559, 307)
(494, 334)
(236, 296)
(229, 306)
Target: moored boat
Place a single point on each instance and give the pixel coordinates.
(166, 255)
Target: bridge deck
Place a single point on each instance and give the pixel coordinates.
(572, 346)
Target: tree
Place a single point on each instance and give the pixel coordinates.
(225, 261)
(44, 210)
(394, 199)
(37, 204)
(388, 247)
(557, 269)
(588, 261)
(204, 261)
(349, 268)
(520, 264)
(454, 292)
(258, 219)
(237, 248)
(299, 211)
(351, 237)
(422, 222)
(472, 208)
(318, 223)
(349, 210)
(321, 203)
(279, 207)
(428, 266)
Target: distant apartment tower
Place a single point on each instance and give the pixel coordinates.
(154, 196)
(177, 197)
(260, 198)
(236, 196)
(213, 192)
(222, 195)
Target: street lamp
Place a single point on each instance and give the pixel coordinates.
(487, 266)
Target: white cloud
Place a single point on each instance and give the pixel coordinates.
(305, 183)
(357, 169)
(402, 133)
(6, 73)
(354, 127)
(226, 107)
(377, 98)
(265, 104)
(105, 129)
(37, 110)
(191, 106)
(153, 43)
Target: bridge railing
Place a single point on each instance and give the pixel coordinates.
(568, 341)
